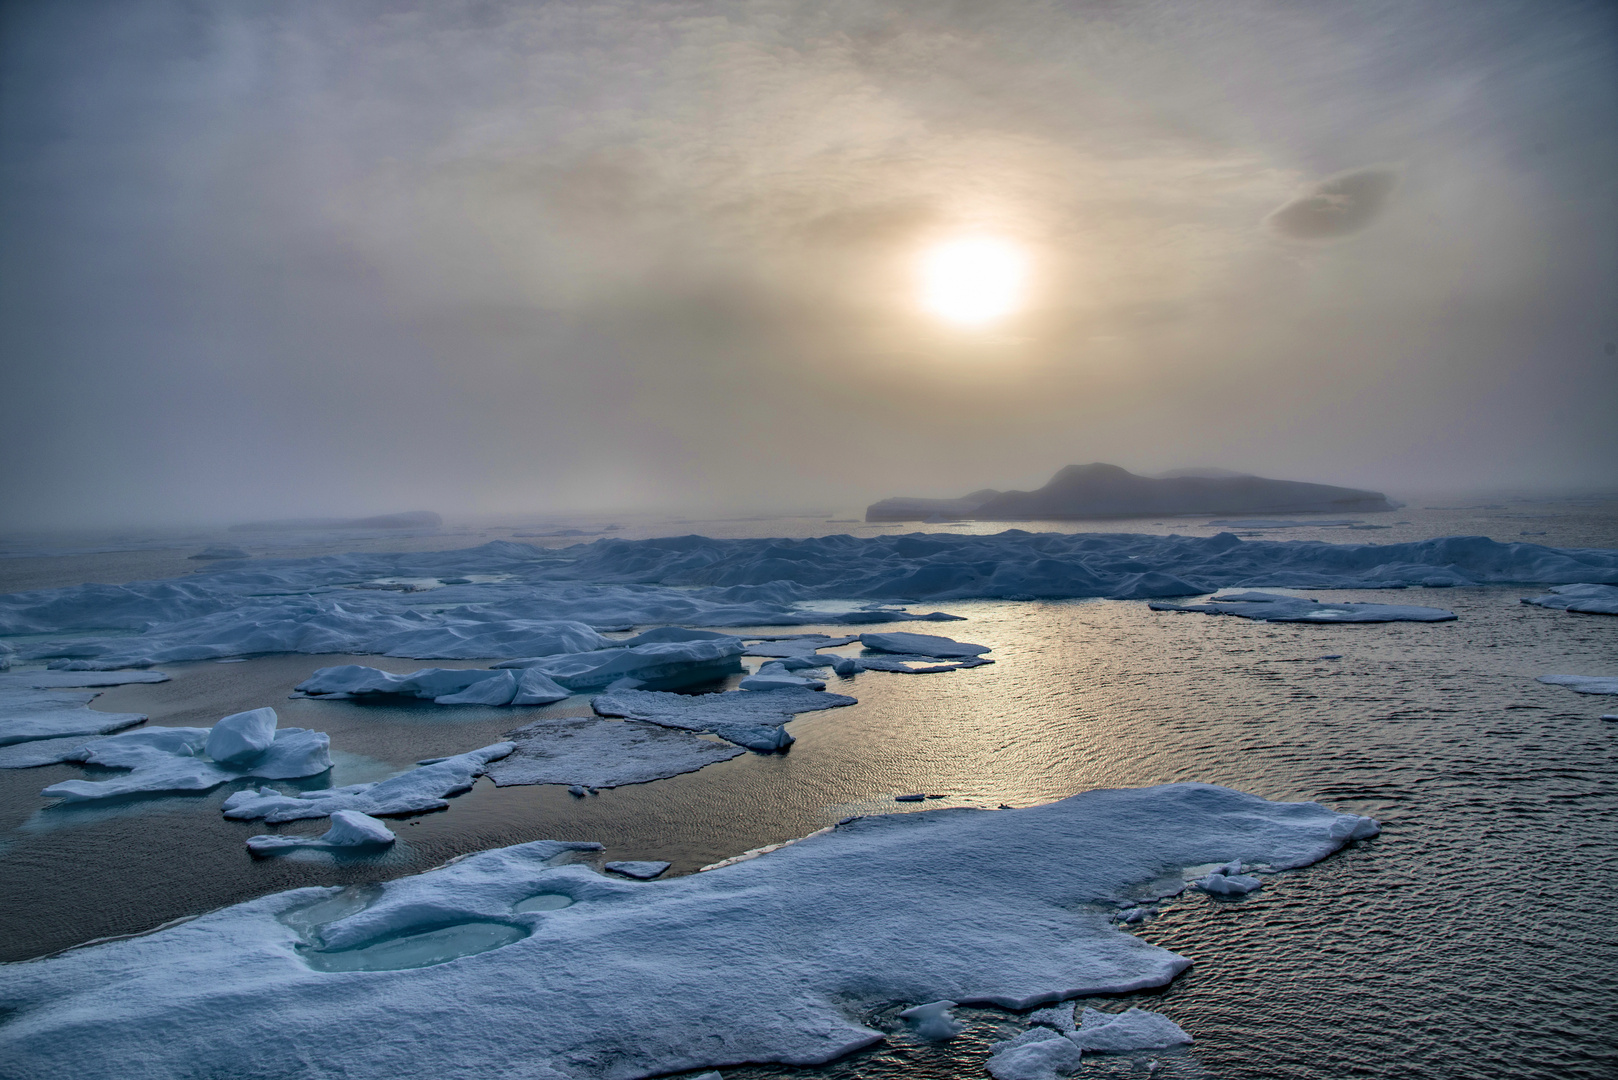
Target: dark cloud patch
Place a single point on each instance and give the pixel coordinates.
(1338, 206)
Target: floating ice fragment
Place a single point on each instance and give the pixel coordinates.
(1583, 684)
(165, 759)
(27, 715)
(1219, 884)
(774, 676)
(1059, 1017)
(1037, 1054)
(641, 871)
(918, 797)
(591, 753)
(1274, 607)
(349, 829)
(748, 719)
(426, 787)
(1584, 598)
(1123, 1033)
(931, 645)
(933, 1021)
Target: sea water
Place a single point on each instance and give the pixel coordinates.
(1473, 938)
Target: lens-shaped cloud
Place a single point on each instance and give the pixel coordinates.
(1338, 206)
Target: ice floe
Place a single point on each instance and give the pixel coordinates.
(1274, 607)
(426, 787)
(934, 1021)
(655, 664)
(1583, 684)
(1037, 1054)
(776, 676)
(922, 645)
(744, 717)
(173, 759)
(349, 830)
(1584, 598)
(29, 715)
(515, 601)
(589, 753)
(477, 969)
(1126, 1032)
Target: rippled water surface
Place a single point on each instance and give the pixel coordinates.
(1474, 938)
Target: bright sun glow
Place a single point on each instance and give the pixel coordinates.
(972, 281)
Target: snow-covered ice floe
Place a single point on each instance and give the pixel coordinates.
(512, 601)
(426, 787)
(173, 759)
(587, 753)
(30, 711)
(1583, 684)
(1584, 598)
(445, 686)
(1274, 607)
(745, 717)
(1045, 1052)
(350, 830)
(505, 964)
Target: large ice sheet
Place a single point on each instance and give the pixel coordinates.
(533, 603)
(770, 959)
(170, 759)
(1274, 607)
(426, 787)
(745, 717)
(1584, 598)
(603, 753)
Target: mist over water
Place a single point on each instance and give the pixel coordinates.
(294, 259)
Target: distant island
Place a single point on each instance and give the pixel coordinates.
(1107, 491)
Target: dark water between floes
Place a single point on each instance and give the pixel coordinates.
(1475, 938)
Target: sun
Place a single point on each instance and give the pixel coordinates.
(972, 281)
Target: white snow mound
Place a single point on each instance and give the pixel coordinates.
(478, 971)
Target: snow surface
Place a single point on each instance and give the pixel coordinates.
(640, 871)
(1583, 684)
(765, 960)
(745, 718)
(426, 787)
(1585, 598)
(589, 753)
(349, 829)
(1274, 607)
(520, 601)
(168, 759)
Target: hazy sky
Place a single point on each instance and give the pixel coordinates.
(286, 258)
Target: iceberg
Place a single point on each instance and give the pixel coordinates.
(350, 829)
(1274, 607)
(746, 718)
(426, 787)
(589, 753)
(1584, 598)
(1583, 684)
(170, 759)
(771, 959)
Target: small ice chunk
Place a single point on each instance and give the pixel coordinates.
(349, 829)
(933, 1021)
(774, 676)
(1123, 1033)
(1059, 1017)
(641, 871)
(846, 667)
(576, 791)
(1219, 884)
(917, 797)
(242, 736)
(1037, 1054)
(1583, 684)
(921, 644)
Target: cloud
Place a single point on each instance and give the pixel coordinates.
(1338, 206)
